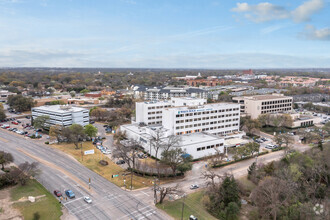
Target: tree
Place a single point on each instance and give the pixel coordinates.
(156, 141)
(76, 134)
(56, 132)
(252, 147)
(5, 158)
(20, 103)
(2, 114)
(72, 94)
(99, 114)
(41, 122)
(26, 171)
(270, 195)
(251, 170)
(278, 139)
(250, 126)
(85, 91)
(175, 159)
(166, 191)
(90, 130)
(128, 151)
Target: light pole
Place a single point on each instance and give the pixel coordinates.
(184, 197)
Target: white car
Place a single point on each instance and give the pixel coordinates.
(194, 186)
(87, 199)
(269, 146)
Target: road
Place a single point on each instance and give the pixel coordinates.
(62, 172)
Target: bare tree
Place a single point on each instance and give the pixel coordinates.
(270, 195)
(156, 141)
(166, 191)
(127, 150)
(26, 171)
(210, 177)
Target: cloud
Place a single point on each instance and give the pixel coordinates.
(266, 11)
(273, 28)
(311, 33)
(303, 12)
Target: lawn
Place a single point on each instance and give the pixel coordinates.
(193, 206)
(92, 162)
(48, 207)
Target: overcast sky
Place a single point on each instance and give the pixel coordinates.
(165, 33)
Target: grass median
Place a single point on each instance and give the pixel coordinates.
(47, 206)
(92, 162)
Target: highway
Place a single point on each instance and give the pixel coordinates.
(61, 172)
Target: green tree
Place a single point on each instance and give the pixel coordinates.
(90, 130)
(252, 168)
(56, 132)
(85, 91)
(2, 114)
(41, 122)
(5, 158)
(76, 134)
(175, 159)
(20, 103)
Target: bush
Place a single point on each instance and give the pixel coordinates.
(277, 149)
(47, 142)
(238, 160)
(155, 174)
(103, 162)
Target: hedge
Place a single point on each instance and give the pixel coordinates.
(277, 149)
(154, 174)
(241, 159)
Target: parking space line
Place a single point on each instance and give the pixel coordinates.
(4, 140)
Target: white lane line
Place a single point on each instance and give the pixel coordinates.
(145, 215)
(74, 200)
(136, 211)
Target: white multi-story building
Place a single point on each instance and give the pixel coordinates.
(62, 115)
(4, 95)
(202, 128)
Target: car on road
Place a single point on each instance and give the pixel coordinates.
(194, 186)
(70, 194)
(87, 199)
(57, 193)
(120, 162)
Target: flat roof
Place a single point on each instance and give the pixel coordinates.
(267, 97)
(60, 108)
(186, 139)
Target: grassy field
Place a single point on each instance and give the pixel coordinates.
(48, 207)
(92, 162)
(193, 206)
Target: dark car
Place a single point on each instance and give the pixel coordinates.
(57, 193)
(120, 162)
(70, 194)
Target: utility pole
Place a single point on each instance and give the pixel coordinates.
(82, 155)
(155, 191)
(184, 197)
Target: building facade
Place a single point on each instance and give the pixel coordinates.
(4, 95)
(63, 115)
(202, 128)
(254, 106)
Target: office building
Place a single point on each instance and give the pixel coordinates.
(254, 106)
(64, 115)
(202, 128)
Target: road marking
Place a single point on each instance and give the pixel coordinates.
(137, 211)
(74, 200)
(4, 140)
(51, 165)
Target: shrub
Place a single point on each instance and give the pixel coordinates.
(47, 142)
(103, 162)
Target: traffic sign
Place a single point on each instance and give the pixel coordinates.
(114, 175)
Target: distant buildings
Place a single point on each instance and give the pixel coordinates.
(201, 128)
(64, 115)
(4, 95)
(210, 81)
(163, 93)
(262, 104)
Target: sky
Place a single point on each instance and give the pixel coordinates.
(212, 34)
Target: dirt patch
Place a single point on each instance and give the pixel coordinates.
(6, 209)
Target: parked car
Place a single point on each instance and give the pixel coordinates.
(87, 199)
(194, 186)
(57, 193)
(19, 122)
(107, 152)
(14, 122)
(269, 146)
(193, 217)
(70, 194)
(120, 162)
(264, 139)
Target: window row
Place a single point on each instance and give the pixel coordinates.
(275, 106)
(275, 110)
(277, 101)
(209, 147)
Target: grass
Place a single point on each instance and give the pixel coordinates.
(92, 162)
(193, 206)
(48, 207)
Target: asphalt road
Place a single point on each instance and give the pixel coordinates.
(61, 172)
